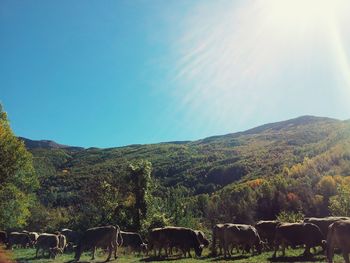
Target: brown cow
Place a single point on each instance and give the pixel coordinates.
(324, 222)
(180, 237)
(266, 230)
(104, 236)
(48, 242)
(295, 234)
(218, 238)
(240, 235)
(19, 239)
(338, 237)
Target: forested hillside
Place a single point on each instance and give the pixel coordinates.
(259, 173)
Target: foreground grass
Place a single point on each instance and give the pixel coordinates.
(28, 255)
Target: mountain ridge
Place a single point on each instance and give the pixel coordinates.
(304, 119)
(208, 164)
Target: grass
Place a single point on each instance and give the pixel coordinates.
(28, 255)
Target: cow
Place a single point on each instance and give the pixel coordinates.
(71, 235)
(266, 230)
(72, 238)
(183, 238)
(218, 238)
(19, 239)
(104, 236)
(3, 237)
(133, 241)
(202, 238)
(48, 242)
(33, 238)
(295, 234)
(240, 235)
(324, 222)
(338, 237)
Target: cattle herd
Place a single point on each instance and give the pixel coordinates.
(328, 233)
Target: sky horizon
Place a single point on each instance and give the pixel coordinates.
(137, 72)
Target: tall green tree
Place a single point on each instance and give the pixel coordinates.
(17, 177)
(339, 204)
(140, 178)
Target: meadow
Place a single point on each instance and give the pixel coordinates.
(28, 255)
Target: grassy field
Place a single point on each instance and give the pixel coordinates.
(28, 255)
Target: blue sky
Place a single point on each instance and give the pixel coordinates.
(112, 73)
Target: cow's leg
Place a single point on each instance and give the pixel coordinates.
(283, 248)
(160, 250)
(189, 253)
(225, 250)
(183, 252)
(93, 253)
(346, 256)
(330, 252)
(307, 252)
(276, 249)
(115, 251)
(36, 254)
(166, 251)
(110, 251)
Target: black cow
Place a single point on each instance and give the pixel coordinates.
(133, 241)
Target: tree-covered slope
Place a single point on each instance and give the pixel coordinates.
(208, 164)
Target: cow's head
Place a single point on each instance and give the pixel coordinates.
(144, 247)
(205, 242)
(198, 250)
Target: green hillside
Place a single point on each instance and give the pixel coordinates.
(207, 164)
(199, 171)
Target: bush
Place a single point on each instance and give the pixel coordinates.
(290, 217)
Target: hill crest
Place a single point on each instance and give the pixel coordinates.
(299, 121)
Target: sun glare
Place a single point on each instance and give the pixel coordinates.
(296, 13)
(237, 53)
